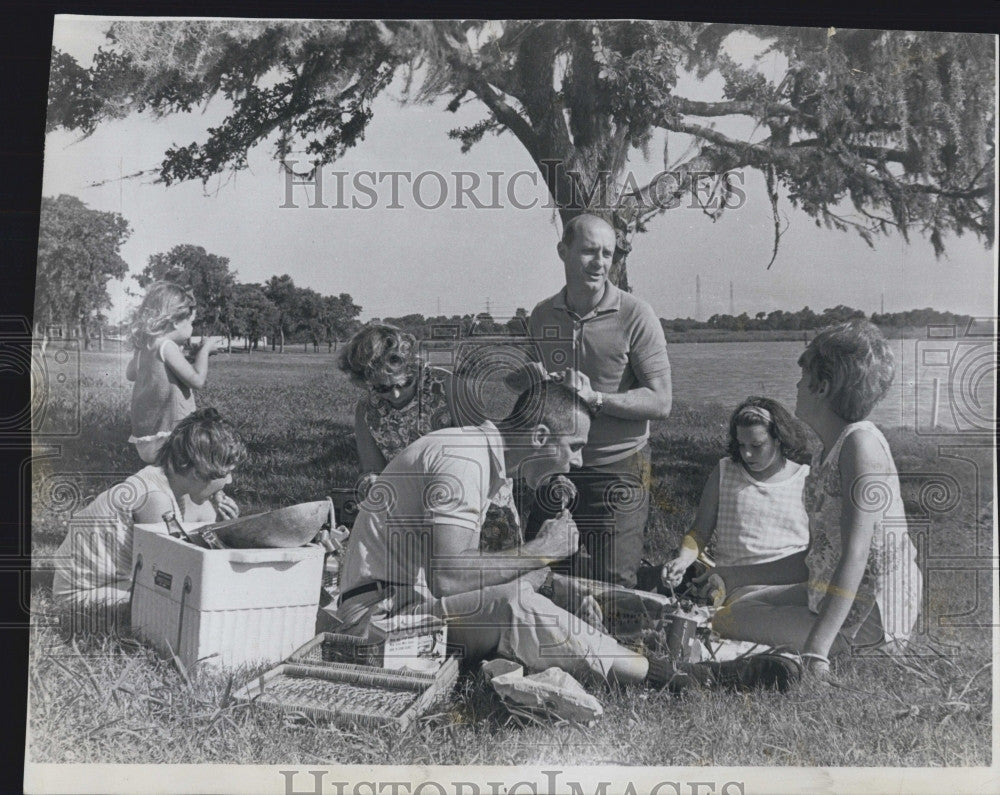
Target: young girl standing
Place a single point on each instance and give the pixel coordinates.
(864, 584)
(752, 504)
(164, 380)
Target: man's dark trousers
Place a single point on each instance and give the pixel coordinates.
(610, 511)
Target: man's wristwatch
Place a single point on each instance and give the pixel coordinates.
(596, 403)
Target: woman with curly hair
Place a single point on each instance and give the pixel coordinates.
(406, 399)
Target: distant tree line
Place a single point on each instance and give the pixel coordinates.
(277, 309)
(79, 253)
(806, 319)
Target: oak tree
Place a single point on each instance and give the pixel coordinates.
(867, 130)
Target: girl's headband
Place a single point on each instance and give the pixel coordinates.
(755, 411)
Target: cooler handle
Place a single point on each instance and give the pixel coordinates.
(131, 590)
(180, 620)
(286, 555)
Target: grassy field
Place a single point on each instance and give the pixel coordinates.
(101, 699)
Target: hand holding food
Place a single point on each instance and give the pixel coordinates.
(225, 506)
(558, 538)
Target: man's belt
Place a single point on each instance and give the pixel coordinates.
(375, 585)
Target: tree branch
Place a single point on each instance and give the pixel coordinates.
(708, 134)
(465, 62)
(772, 194)
(693, 107)
(506, 114)
(649, 196)
(769, 153)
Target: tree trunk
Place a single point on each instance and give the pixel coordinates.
(100, 338)
(281, 340)
(624, 225)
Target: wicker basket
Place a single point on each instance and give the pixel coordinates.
(330, 647)
(351, 694)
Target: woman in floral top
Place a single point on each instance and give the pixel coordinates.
(407, 399)
(864, 584)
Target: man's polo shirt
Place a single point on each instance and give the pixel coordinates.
(444, 478)
(619, 345)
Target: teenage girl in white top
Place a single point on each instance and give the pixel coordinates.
(751, 507)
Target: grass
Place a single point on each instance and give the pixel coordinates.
(109, 699)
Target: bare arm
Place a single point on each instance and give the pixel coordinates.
(700, 533)
(457, 565)
(652, 397)
(151, 509)
(193, 375)
(651, 401)
(707, 514)
(369, 454)
(862, 464)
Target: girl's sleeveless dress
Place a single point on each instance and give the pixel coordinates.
(758, 522)
(891, 578)
(159, 401)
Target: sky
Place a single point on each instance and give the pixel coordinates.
(409, 258)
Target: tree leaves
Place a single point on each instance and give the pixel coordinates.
(900, 124)
(78, 252)
(207, 276)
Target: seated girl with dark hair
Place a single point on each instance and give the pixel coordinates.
(94, 577)
(751, 508)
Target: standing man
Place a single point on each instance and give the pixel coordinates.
(611, 346)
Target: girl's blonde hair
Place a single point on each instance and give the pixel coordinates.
(857, 362)
(165, 305)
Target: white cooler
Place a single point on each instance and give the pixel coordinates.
(226, 607)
